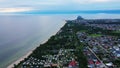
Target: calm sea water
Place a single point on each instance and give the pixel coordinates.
(21, 33)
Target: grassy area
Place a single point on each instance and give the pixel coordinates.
(95, 35)
(83, 31)
(118, 31)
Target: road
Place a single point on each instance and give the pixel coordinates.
(98, 58)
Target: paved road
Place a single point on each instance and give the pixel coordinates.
(98, 58)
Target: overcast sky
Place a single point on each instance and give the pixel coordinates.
(21, 6)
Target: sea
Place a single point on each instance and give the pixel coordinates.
(19, 34)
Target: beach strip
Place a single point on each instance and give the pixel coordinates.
(21, 59)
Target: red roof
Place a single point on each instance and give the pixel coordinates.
(73, 63)
(90, 62)
(97, 62)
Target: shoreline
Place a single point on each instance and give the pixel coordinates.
(20, 59)
(16, 62)
(27, 54)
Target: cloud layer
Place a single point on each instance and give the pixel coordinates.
(12, 6)
(11, 10)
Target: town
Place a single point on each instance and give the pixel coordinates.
(80, 43)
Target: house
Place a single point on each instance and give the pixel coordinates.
(118, 53)
(72, 64)
(90, 64)
(110, 64)
(97, 62)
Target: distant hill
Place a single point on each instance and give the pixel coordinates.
(97, 21)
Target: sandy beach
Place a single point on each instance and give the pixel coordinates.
(18, 61)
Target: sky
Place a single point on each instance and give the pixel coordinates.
(58, 6)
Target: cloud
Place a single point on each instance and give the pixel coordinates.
(94, 1)
(12, 10)
(1, 0)
(47, 3)
(13, 6)
(100, 0)
(70, 2)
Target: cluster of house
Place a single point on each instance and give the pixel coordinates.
(62, 59)
(107, 26)
(105, 47)
(93, 61)
(81, 20)
(108, 43)
(48, 62)
(106, 21)
(108, 46)
(33, 62)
